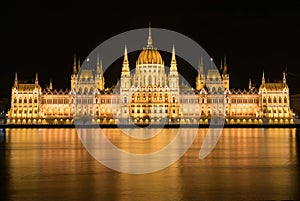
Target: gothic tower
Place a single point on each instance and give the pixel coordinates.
(74, 74)
(225, 75)
(99, 75)
(125, 86)
(200, 80)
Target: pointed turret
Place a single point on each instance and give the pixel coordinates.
(125, 77)
(200, 66)
(149, 45)
(125, 67)
(78, 64)
(50, 85)
(36, 79)
(99, 66)
(284, 78)
(74, 66)
(221, 67)
(200, 80)
(225, 66)
(16, 80)
(263, 81)
(173, 61)
(250, 84)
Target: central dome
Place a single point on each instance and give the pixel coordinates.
(150, 55)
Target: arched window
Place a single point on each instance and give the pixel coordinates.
(274, 100)
(173, 99)
(125, 99)
(269, 100)
(264, 100)
(15, 100)
(25, 100)
(280, 100)
(30, 100)
(285, 100)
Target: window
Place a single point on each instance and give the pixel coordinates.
(264, 100)
(174, 111)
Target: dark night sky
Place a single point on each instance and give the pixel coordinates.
(43, 36)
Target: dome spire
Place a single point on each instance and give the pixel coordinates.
(149, 45)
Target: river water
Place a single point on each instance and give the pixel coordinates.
(246, 164)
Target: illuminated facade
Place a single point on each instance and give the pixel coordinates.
(149, 94)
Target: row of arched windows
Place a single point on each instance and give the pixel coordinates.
(25, 100)
(275, 100)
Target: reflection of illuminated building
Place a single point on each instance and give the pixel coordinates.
(149, 94)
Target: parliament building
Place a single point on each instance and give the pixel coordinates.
(149, 94)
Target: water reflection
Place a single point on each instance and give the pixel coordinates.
(246, 164)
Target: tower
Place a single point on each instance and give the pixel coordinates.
(74, 74)
(225, 75)
(173, 75)
(99, 75)
(200, 80)
(125, 86)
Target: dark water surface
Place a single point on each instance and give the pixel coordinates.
(246, 164)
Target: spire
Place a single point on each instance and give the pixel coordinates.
(221, 67)
(50, 85)
(125, 67)
(36, 79)
(125, 54)
(99, 66)
(284, 78)
(74, 65)
(263, 81)
(200, 66)
(149, 45)
(16, 80)
(225, 66)
(173, 54)
(78, 64)
(173, 61)
(250, 84)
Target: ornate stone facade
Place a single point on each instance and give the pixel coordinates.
(149, 94)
